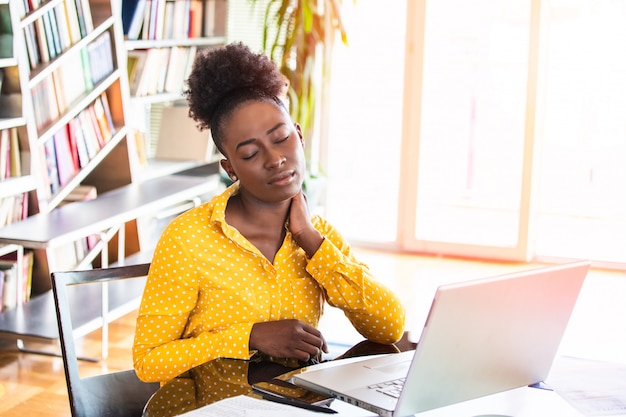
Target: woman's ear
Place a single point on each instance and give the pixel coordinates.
(227, 167)
(299, 131)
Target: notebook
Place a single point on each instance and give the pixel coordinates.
(480, 337)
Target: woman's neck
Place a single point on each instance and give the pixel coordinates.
(263, 224)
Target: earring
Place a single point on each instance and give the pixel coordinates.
(234, 178)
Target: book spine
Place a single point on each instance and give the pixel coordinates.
(60, 13)
(54, 32)
(16, 158)
(42, 42)
(73, 24)
(32, 48)
(51, 166)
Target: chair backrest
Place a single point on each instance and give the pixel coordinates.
(113, 394)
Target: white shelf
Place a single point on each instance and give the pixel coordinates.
(17, 185)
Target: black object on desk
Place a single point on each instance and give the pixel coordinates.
(223, 378)
(294, 401)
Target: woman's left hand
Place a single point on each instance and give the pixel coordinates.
(300, 226)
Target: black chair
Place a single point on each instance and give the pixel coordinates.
(113, 394)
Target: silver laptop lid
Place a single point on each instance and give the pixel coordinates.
(489, 335)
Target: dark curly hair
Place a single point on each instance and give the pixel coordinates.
(223, 78)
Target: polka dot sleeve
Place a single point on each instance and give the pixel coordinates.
(374, 310)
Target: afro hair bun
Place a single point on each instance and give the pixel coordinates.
(220, 71)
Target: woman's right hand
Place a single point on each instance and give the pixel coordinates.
(287, 339)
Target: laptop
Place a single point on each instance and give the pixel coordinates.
(481, 337)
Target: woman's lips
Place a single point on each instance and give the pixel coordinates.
(282, 178)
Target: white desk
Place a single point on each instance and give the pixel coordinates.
(521, 402)
(229, 389)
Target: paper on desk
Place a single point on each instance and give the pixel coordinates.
(595, 388)
(244, 406)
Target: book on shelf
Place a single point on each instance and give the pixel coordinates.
(63, 27)
(78, 142)
(173, 64)
(196, 15)
(209, 18)
(147, 76)
(95, 126)
(56, 30)
(99, 59)
(140, 146)
(107, 111)
(72, 24)
(73, 147)
(10, 155)
(86, 69)
(89, 133)
(75, 144)
(168, 19)
(30, 38)
(159, 22)
(15, 154)
(52, 34)
(16, 287)
(13, 209)
(71, 78)
(5, 154)
(102, 118)
(65, 160)
(42, 41)
(179, 68)
(162, 75)
(136, 64)
(150, 25)
(45, 104)
(51, 166)
(132, 17)
(167, 31)
(85, 21)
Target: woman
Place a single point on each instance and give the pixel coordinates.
(248, 273)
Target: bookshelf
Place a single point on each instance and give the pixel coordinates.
(76, 104)
(64, 101)
(16, 180)
(165, 34)
(63, 107)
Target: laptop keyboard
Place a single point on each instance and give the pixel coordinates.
(392, 388)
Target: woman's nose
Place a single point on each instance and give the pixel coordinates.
(275, 160)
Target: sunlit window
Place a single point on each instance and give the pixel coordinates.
(520, 139)
(365, 133)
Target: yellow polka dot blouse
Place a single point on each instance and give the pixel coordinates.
(208, 285)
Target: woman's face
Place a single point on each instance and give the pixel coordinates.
(264, 149)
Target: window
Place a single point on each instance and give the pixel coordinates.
(485, 129)
(511, 128)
